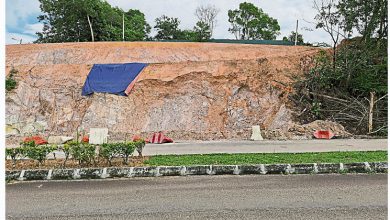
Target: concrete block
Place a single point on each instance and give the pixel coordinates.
(12, 175)
(35, 174)
(170, 170)
(302, 169)
(379, 167)
(144, 172)
(98, 135)
(249, 169)
(223, 169)
(90, 173)
(328, 167)
(62, 174)
(355, 167)
(58, 139)
(198, 170)
(119, 172)
(256, 133)
(276, 168)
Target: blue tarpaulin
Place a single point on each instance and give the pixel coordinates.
(111, 78)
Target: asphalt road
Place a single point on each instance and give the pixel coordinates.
(204, 197)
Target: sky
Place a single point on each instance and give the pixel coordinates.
(22, 22)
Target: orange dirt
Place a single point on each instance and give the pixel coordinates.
(189, 90)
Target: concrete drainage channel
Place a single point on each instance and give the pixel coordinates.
(130, 172)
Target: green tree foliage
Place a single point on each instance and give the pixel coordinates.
(167, 28)
(67, 21)
(369, 18)
(202, 31)
(251, 23)
(10, 82)
(291, 38)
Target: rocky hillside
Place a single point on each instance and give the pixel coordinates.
(190, 90)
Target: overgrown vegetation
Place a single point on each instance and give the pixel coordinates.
(10, 82)
(267, 158)
(85, 154)
(349, 84)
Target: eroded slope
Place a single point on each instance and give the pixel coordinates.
(189, 90)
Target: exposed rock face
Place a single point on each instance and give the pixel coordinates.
(189, 90)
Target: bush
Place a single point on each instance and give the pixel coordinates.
(38, 153)
(139, 146)
(13, 153)
(28, 144)
(108, 151)
(84, 153)
(66, 148)
(125, 150)
(10, 82)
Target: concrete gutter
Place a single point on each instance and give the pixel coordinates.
(260, 169)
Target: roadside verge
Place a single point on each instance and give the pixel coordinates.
(157, 171)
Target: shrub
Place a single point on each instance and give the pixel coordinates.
(125, 150)
(10, 82)
(84, 153)
(66, 148)
(38, 153)
(108, 151)
(28, 144)
(13, 153)
(139, 146)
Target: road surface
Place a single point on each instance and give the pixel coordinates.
(203, 197)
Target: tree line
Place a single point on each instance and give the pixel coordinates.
(97, 20)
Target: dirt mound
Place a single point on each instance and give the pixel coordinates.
(190, 90)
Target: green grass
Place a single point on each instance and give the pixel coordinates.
(267, 158)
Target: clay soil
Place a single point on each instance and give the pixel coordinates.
(57, 163)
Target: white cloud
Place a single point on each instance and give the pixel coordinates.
(19, 11)
(14, 38)
(33, 28)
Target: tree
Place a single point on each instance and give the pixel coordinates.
(291, 37)
(369, 18)
(167, 28)
(86, 20)
(202, 31)
(208, 15)
(250, 22)
(329, 20)
(136, 26)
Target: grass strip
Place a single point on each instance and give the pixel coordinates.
(267, 158)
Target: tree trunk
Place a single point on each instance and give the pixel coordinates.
(334, 56)
(371, 111)
(90, 26)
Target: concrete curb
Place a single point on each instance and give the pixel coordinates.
(260, 169)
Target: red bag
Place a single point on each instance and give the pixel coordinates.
(159, 138)
(323, 134)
